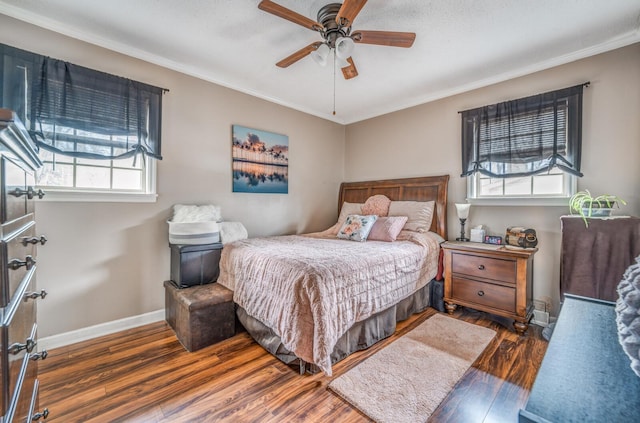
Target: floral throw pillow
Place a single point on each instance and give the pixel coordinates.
(356, 227)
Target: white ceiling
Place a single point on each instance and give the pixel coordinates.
(460, 44)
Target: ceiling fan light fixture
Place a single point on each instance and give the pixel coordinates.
(344, 47)
(334, 25)
(321, 54)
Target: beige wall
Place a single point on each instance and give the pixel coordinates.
(425, 140)
(107, 261)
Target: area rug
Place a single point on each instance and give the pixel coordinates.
(409, 378)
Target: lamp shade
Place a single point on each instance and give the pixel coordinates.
(463, 210)
(321, 54)
(344, 47)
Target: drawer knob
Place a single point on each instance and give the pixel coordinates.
(35, 295)
(29, 192)
(40, 415)
(480, 293)
(39, 356)
(481, 267)
(29, 345)
(33, 240)
(16, 264)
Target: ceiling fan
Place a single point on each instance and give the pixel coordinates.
(334, 25)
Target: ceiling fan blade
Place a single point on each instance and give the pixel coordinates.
(385, 38)
(348, 11)
(284, 13)
(350, 71)
(300, 54)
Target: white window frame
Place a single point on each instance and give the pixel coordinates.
(570, 183)
(146, 195)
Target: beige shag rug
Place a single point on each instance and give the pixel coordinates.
(408, 379)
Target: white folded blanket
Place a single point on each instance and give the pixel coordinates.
(232, 231)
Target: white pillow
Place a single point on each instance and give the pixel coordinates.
(419, 214)
(346, 210)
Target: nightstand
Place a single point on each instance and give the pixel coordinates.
(492, 278)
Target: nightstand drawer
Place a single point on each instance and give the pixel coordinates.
(484, 294)
(484, 267)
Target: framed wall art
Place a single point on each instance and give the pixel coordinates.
(260, 161)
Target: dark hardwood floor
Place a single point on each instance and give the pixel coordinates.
(145, 375)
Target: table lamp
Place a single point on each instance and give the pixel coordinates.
(463, 213)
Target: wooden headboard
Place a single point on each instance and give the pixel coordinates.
(409, 189)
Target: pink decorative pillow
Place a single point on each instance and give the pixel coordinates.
(387, 228)
(377, 204)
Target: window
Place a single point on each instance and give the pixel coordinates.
(97, 133)
(524, 149)
(554, 187)
(63, 173)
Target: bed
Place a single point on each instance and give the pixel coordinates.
(315, 298)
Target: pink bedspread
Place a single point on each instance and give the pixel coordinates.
(311, 289)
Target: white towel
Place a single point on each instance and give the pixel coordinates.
(232, 231)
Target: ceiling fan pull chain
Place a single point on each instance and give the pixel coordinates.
(334, 82)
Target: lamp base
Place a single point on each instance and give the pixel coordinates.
(462, 236)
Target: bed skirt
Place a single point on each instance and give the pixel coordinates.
(359, 337)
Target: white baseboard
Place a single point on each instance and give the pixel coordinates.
(91, 332)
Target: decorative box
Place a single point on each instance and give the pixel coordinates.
(195, 264)
(194, 233)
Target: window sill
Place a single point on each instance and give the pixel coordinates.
(52, 195)
(522, 201)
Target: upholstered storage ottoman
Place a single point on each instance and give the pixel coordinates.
(200, 315)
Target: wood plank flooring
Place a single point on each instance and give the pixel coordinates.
(145, 375)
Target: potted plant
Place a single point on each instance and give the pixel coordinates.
(586, 205)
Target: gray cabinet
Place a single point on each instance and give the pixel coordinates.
(19, 295)
(594, 258)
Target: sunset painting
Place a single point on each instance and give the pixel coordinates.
(260, 161)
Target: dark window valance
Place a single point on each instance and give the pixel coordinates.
(80, 112)
(524, 137)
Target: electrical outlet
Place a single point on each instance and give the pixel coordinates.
(540, 318)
